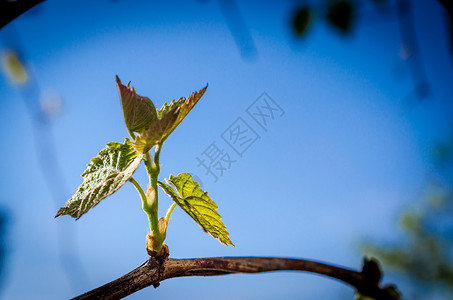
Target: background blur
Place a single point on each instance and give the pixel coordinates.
(360, 144)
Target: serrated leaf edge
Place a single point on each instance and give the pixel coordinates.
(170, 189)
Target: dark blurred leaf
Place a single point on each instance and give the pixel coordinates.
(301, 20)
(360, 296)
(448, 5)
(393, 291)
(9, 10)
(340, 15)
(443, 153)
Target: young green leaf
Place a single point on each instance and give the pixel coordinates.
(191, 198)
(139, 112)
(185, 106)
(105, 174)
(169, 117)
(154, 135)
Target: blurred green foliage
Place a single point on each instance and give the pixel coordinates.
(340, 14)
(425, 253)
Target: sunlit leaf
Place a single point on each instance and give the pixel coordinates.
(194, 201)
(139, 112)
(106, 173)
(169, 117)
(186, 106)
(156, 133)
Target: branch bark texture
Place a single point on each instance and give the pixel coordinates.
(153, 271)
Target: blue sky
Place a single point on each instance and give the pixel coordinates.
(335, 170)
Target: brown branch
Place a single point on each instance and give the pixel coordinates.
(153, 271)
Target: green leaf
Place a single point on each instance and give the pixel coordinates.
(106, 173)
(185, 106)
(169, 117)
(301, 20)
(157, 132)
(194, 201)
(139, 112)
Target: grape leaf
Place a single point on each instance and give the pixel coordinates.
(185, 106)
(169, 117)
(139, 112)
(191, 198)
(105, 174)
(154, 135)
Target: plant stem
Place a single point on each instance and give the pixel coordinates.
(151, 206)
(169, 211)
(139, 189)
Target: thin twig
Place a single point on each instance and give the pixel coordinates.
(153, 271)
